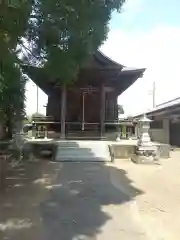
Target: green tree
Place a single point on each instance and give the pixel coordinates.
(63, 33)
(120, 109)
(14, 17)
(57, 34)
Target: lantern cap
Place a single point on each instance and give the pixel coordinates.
(144, 119)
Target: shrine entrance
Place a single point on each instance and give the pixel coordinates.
(83, 112)
(90, 108)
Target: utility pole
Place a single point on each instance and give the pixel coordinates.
(154, 94)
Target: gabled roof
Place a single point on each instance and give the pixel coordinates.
(106, 60)
(100, 64)
(115, 65)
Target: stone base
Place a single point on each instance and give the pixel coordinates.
(118, 139)
(146, 148)
(163, 150)
(146, 154)
(141, 159)
(122, 150)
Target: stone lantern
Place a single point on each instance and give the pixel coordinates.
(146, 151)
(33, 130)
(144, 126)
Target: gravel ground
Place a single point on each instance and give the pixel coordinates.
(69, 201)
(93, 201)
(159, 205)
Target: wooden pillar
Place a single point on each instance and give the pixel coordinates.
(63, 112)
(102, 110)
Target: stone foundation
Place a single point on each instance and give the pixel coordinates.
(123, 150)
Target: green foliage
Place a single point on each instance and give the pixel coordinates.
(61, 34)
(14, 16)
(120, 109)
(65, 32)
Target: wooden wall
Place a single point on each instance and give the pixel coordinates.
(74, 110)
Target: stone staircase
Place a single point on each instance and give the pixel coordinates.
(82, 151)
(83, 135)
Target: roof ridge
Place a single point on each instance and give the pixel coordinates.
(169, 101)
(108, 58)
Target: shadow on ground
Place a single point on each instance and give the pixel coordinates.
(55, 201)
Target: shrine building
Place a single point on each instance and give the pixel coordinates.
(88, 108)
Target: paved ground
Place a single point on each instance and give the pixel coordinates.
(67, 201)
(158, 208)
(93, 201)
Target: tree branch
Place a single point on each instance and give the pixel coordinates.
(38, 58)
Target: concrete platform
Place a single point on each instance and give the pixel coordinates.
(92, 150)
(126, 149)
(71, 150)
(81, 151)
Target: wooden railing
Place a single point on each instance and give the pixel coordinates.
(43, 129)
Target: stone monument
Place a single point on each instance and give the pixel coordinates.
(146, 151)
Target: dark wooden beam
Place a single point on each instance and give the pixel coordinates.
(63, 112)
(102, 110)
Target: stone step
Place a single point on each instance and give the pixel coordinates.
(87, 135)
(82, 151)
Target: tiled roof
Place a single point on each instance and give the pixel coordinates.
(163, 106)
(169, 103)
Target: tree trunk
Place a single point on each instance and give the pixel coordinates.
(3, 171)
(9, 129)
(2, 131)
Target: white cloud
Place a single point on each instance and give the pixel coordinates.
(158, 50)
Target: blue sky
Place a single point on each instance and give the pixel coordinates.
(144, 15)
(145, 34)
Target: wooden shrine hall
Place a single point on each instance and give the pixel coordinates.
(88, 108)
